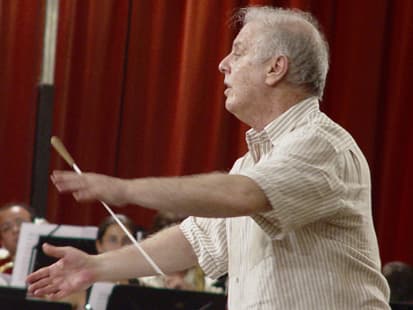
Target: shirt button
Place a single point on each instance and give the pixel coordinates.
(236, 279)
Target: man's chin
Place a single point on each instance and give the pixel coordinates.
(230, 106)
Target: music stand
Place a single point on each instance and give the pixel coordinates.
(132, 297)
(401, 306)
(42, 260)
(12, 298)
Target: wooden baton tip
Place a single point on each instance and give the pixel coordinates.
(61, 149)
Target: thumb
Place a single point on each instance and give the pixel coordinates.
(50, 250)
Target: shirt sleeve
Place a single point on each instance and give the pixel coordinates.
(208, 238)
(300, 180)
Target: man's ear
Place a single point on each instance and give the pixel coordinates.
(276, 70)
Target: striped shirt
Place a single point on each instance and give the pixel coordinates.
(316, 248)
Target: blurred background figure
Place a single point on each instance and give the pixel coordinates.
(111, 237)
(12, 216)
(399, 275)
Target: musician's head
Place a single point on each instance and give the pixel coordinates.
(12, 215)
(399, 275)
(111, 236)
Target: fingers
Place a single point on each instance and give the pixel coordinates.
(37, 275)
(85, 195)
(50, 291)
(67, 181)
(89, 186)
(78, 185)
(42, 277)
(41, 284)
(59, 295)
(46, 282)
(42, 287)
(57, 252)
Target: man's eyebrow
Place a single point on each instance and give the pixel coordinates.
(237, 45)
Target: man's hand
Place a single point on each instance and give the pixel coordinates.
(74, 271)
(91, 186)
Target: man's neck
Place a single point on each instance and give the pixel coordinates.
(279, 103)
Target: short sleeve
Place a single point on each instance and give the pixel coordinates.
(300, 180)
(208, 238)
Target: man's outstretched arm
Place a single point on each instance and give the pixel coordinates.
(76, 270)
(205, 195)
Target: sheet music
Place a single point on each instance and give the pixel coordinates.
(99, 295)
(28, 239)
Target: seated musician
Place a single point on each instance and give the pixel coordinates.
(11, 217)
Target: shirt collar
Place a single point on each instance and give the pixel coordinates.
(284, 123)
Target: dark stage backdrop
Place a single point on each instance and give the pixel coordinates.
(138, 94)
(21, 30)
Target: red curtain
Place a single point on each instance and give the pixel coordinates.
(21, 33)
(393, 167)
(138, 94)
(89, 78)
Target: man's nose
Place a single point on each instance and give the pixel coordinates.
(223, 66)
(16, 228)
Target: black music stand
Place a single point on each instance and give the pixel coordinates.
(12, 298)
(132, 297)
(401, 306)
(42, 260)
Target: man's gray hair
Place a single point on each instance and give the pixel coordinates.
(296, 35)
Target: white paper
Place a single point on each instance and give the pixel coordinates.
(28, 239)
(99, 295)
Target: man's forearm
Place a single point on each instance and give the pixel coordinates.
(169, 249)
(206, 195)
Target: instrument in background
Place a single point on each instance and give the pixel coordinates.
(6, 264)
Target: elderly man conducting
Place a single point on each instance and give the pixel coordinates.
(291, 223)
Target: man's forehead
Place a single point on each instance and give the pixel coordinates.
(246, 34)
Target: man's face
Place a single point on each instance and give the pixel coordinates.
(10, 222)
(244, 74)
